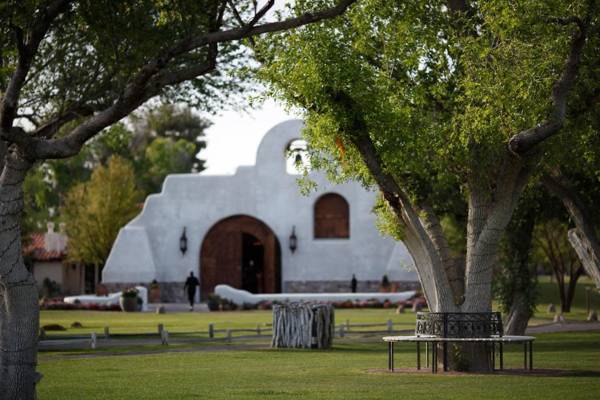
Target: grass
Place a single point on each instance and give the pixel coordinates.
(118, 322)
(198, 322)
(548, 294)
(199, 371)
(342, 373)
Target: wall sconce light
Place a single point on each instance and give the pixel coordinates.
(183, 242)
(293, 240)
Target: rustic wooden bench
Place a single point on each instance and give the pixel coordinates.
(440, 329)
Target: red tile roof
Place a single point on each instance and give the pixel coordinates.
(36, 249)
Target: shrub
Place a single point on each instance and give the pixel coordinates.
(54, 327)
(58, 304)
(217, 303)
(130, 292)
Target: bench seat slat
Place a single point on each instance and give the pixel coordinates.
(496, 339)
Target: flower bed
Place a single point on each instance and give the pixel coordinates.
(59, 304)
(216, 303)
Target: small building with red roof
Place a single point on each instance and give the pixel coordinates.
(46, 253)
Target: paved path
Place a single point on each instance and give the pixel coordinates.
(564, 327)
(177, 307)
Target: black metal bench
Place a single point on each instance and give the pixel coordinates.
(435, 329)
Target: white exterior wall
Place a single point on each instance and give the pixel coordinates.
(148, 247)
(52, 270)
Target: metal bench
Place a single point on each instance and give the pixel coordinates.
(440, 329)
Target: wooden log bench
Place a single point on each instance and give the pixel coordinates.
(440, 329)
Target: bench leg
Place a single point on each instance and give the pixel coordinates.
(418, 355)
(445, 360)
(493, 356)
(434, 347)
(426, 354)
(524, 355)
(501, 356)
(531, 355)
(391, 356)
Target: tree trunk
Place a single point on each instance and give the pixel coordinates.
(570, 294)
(584, 238)
(19, 312)
(449, 287)
(518, 316)
(514, 281)
(587, 253)
(560, 281)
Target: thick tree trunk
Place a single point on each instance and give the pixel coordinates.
(584, 238)
(450, 287)
(19, 312)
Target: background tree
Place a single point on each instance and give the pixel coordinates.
(167, 140)
(71, 68)
(49, 182)
(515, 279)
(164, 140)
(97, 209)
(553, 251)
(578, 190)
(417, 96)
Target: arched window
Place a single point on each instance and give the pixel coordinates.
(332, 217)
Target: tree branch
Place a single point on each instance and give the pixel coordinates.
(50, 128)
(27, 45)
(583, 238)
(526, 140)
(252, 30)
(154, 76)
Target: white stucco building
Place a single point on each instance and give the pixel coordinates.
(239, 229)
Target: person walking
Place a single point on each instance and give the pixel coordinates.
(353, 283)
(190, 285)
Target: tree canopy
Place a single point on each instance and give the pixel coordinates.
(422, 98)
(97, 209)
(71, 68)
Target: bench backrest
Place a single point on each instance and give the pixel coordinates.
(459, 325)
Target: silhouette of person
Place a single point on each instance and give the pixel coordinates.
(353, 283)
(190, 285)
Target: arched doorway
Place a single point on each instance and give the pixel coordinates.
(243, 252)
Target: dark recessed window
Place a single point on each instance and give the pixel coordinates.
(332, 217)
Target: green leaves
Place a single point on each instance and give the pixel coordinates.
(440, 93)
(96, 210)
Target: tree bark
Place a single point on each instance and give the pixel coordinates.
(489, 215)
(515, 279)
(19, 312)
(518, 315)
(583, 238)
(588, 252)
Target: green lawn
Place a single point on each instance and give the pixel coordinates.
(342, 373)
(118, 322)
(548, 293)
(198, 322)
